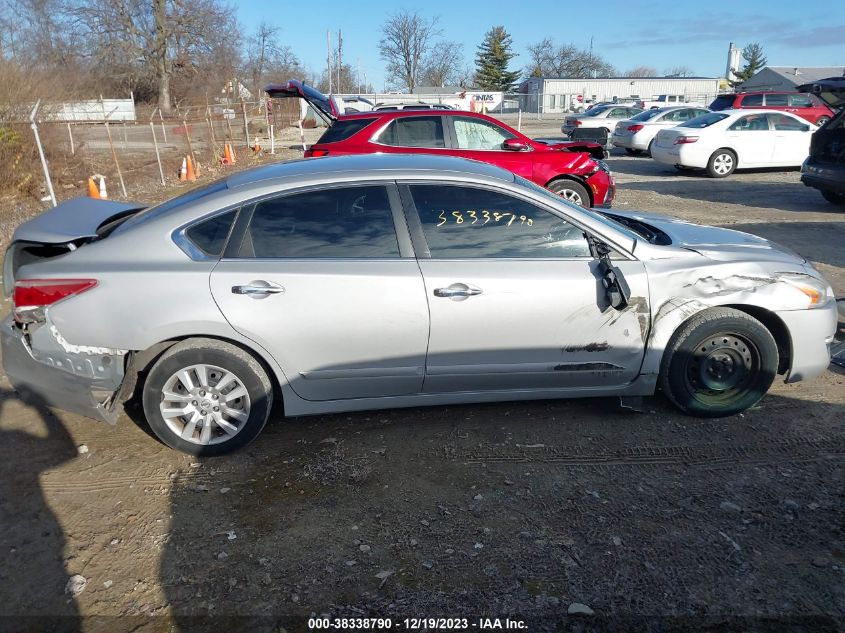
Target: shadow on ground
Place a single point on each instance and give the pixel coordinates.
(520, 510)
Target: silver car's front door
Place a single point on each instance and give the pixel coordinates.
(515, 299)
(321, 281)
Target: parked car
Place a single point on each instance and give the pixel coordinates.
(722, 142)
(604, 116)
(665, 101)
(412, 106)
(575, 175)
(807, 106)
(637, 134)
(382, 281)
(824, 168)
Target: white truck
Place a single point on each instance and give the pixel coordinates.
(665, 101)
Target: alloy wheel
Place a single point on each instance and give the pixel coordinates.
(204, 404)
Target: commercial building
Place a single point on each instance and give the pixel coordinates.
(787, 78)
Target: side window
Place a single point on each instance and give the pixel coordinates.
(344, 222)
(751, 123)
(787, 123)
(618, 113)
(775, 101)
(800, 101)
(464, 222)
(479, 134)
(210, 235)
(674, 115)
(752, 101)
(416, 131)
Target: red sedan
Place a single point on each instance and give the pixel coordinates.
(560, 167)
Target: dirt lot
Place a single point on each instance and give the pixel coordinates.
(655, 521)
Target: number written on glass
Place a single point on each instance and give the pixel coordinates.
(498, 217)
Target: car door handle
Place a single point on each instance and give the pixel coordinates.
(458, 291)
(258, 289)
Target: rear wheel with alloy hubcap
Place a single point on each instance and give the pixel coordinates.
(207, 397)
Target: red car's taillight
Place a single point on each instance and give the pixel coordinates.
(316, 152)
(635, 128)
(31, 296)
(683, 140)
(576, 122)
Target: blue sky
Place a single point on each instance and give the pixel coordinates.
(628, 34)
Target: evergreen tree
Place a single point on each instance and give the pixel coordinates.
(491, 61)
(754, 61)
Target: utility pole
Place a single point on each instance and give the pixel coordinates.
(329, 58)
(339, 59)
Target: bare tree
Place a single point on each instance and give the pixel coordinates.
(679, 71)
(566, 60)
(266, 55)
(442, 66)
(150, 40)
(641, 71)
(406, 39)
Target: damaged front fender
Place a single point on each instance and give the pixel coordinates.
(43, 366)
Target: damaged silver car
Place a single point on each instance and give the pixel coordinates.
(376, 281)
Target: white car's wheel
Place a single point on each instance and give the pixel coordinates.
(722, 163)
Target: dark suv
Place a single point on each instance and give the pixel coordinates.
(824, 168)
(807, 106)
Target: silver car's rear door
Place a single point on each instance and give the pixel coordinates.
(516, 300)
(321, 280)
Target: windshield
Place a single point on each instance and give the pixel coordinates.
(165, 207)
(594, 215)
(596, 111)
(704, 120)
(647, 115)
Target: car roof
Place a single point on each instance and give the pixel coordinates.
(389, 166)
(372, 114)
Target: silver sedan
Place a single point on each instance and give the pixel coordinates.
(365, 282)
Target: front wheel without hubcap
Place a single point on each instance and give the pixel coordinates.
(206, 397)
(571, 191)
(833, 197)
(719, 363)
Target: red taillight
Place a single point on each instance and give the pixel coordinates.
(683, 140)
(635, 128)
(576, 122)
(316, 152)
(31, 296)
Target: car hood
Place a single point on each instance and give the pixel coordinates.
(713, 242)
(77, 218)
(830, 90)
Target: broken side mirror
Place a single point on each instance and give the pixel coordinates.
(613, 281)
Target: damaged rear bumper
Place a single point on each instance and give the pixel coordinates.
(42, 366)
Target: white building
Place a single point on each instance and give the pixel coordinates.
(559, 94)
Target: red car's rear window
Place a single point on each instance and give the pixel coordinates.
(342, 130)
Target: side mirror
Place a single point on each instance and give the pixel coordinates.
(515, 145)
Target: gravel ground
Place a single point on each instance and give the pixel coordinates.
(651, 521)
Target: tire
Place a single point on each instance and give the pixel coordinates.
(571, 191)
(822, 120)
(650, 145)
(719, 363)
(219, 374)
(833, 197)
(721, 164)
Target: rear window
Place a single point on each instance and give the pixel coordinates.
(165, 207)
(596, 111)
(704, 120)
(647, 115)
(211, 235)
(342, 130)
(422, 131)
(723, 102)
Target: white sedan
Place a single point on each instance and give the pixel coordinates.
(722, 142)
(600, 116)
(636, 134)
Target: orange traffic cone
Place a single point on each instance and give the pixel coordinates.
(227, 157)
(191, 175)
(232, 154)
(103, 194)
(183, 171)
(93, 192)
